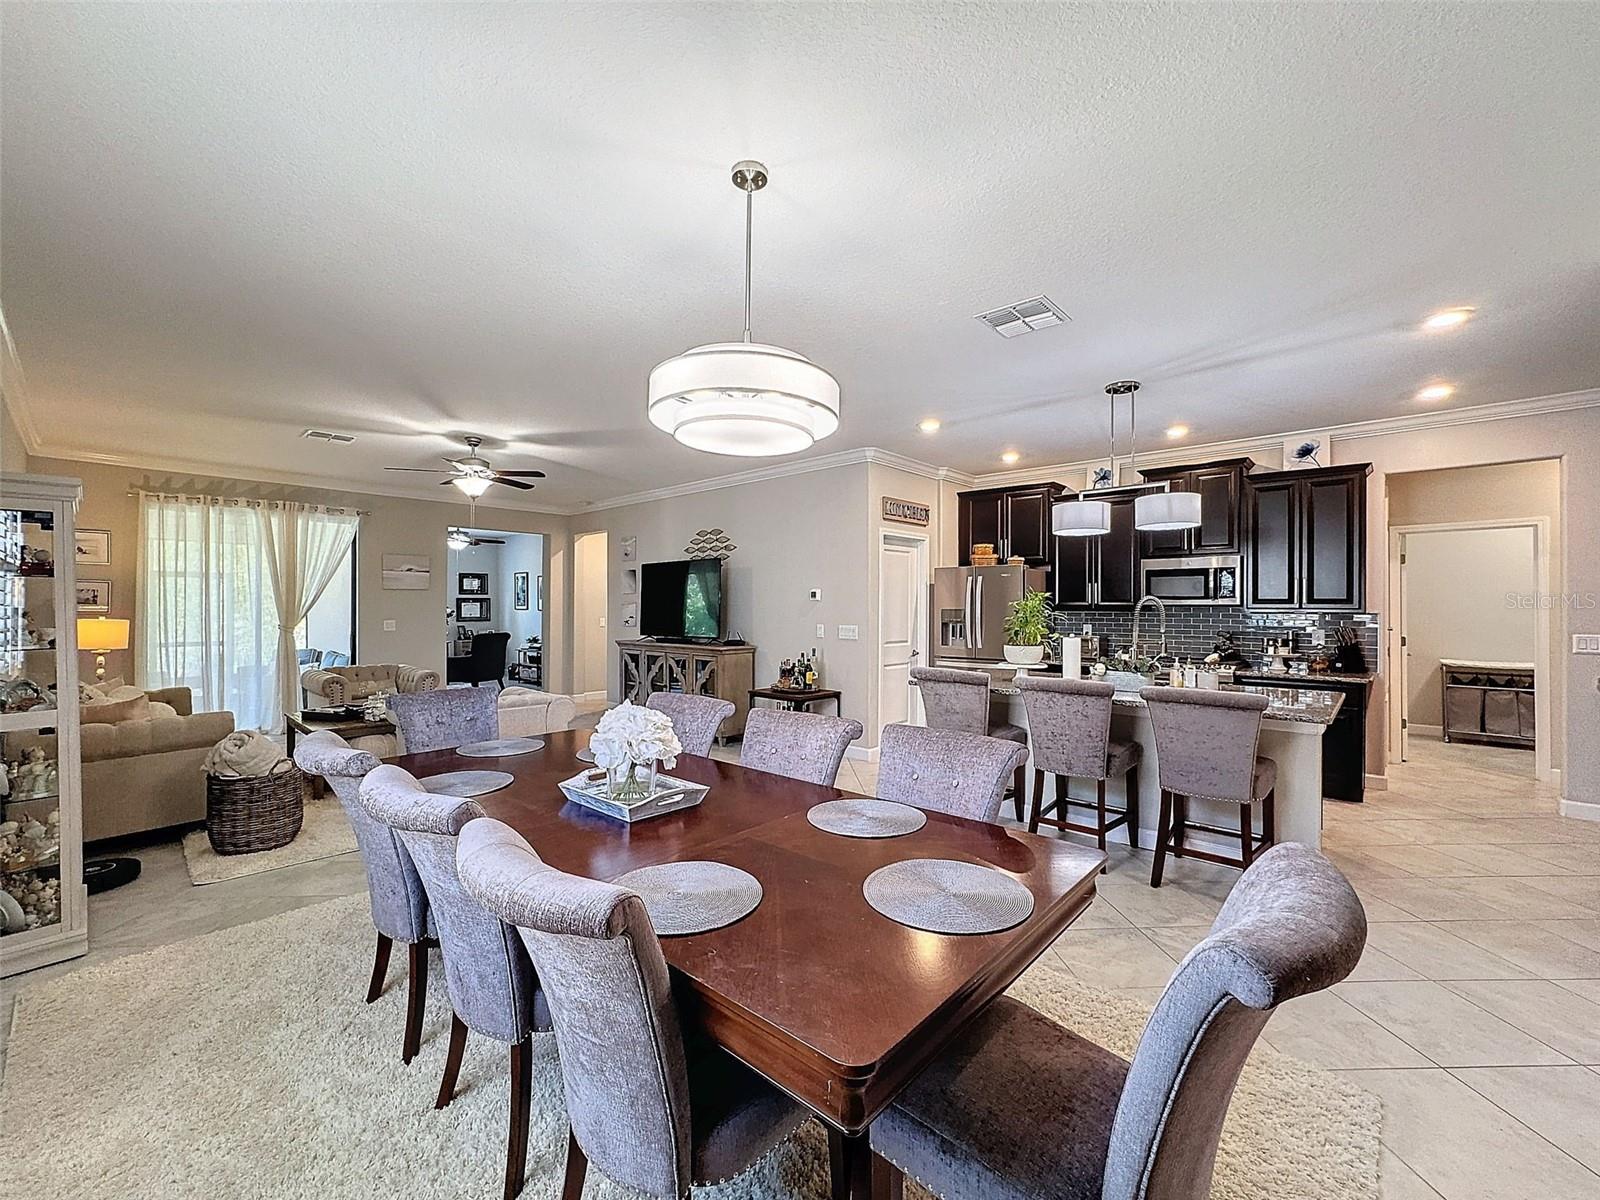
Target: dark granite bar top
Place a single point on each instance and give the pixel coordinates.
(1305, 705)
(1311, 680)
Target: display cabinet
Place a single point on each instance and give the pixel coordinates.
(44, 907)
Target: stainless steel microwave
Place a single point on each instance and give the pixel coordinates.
(1217, 579)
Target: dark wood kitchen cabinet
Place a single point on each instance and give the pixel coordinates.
(1100, 572)
(1015, 520)
(1306, 538)
(1221, 488)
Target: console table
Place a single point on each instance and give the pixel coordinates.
(695, 668)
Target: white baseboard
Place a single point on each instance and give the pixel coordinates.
(1377, 783)
(1582, 810)
(862, 753)
(1427, 730)
(591, 697)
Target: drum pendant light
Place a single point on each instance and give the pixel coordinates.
(1154, 511)
(745, 398)
(1086, 518)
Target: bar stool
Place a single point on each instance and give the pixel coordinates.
(1069, 721)
(1206, 747)
(959, 700)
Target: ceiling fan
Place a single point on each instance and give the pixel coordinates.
(473, 474)
(460, 539)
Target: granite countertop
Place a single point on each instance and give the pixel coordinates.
(1305, 705)
(1311, 679)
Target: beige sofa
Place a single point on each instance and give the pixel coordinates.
(345, 685)
(142, 775)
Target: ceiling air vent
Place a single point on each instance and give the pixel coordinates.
(1024, 316)
(322, 435)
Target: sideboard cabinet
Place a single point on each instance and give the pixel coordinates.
(695, 668)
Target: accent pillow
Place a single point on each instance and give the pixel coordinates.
(158, 709)
(114, 712)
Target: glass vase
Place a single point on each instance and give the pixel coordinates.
(631, 783)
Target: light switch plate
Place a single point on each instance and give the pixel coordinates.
(815, 593)
(1586, 643)
(388, 626)
(822, 630)
(849, 633)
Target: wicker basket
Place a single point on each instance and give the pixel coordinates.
(250, 813)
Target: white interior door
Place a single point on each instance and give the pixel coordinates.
(902, 625)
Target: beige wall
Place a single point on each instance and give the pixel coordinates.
(394, 525)
(1456, 607)
(1497, 491)
(795, 533)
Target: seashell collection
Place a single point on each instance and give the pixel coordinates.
(39, 899)
(28, 842)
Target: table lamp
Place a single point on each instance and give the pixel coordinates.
(96, 635)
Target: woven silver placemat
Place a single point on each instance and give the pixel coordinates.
(467, 783)
(584, 756)
(866, 818)
(693, 897)
(942, 895)
(500, 747)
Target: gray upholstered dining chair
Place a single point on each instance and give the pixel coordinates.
(653, 1115)
(695, 719)
(1069, 721)
(445, 718)
(963, 774)
(492, 986)
(1206, 747)
(801, 745)
(960, 700)
(399, 903)
(1020, 1107)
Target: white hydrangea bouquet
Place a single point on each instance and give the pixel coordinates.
(631, 743)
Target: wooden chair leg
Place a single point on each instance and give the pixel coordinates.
(416, 998)
(1038, 800)
(1180, 823)
(1269, 836)
(1163, 825)
(452, 1061)
(380, 967)
(838, 1166)
(1019, 785)
(521, 1104)
(577, 1168)
(1246, 840)
(1130, 784)
(1063, 786)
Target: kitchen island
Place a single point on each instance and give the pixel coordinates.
(1292, 729)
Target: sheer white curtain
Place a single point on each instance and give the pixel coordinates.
(209, 616)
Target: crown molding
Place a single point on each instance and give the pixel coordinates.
(1504, 410)
(21, 417)
(219, 471)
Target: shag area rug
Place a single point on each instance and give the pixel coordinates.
(324, 833)
(243, 1063)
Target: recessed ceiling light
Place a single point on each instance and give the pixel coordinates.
(1449, 318)
(1009, 457)
(929, 424)
(1436, 391)
(1177, 431)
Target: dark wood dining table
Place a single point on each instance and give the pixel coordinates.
(834, 1003)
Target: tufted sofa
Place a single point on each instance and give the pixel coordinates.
(345, 685)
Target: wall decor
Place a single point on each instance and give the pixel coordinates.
(630, 615)
(472, 608)
(907, 511)
(630, 549)
(94, 595)
(1102, 475)
(710, 543)
(407, 572)
(538, 593)
(1302, 452)
(519, 591)
(93, 547)
(630, 581)
(472, 583)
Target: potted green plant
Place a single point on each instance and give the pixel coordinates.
(1027, 628)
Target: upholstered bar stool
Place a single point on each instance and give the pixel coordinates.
(695, 719)
(1206, 747)
(959, 700)
(1069, 722)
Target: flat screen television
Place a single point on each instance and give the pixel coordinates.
(682, 600)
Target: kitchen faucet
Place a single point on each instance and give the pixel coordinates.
(1138, 609)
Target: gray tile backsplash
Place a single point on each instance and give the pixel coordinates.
(1192, 629)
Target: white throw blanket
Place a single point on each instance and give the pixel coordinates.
(246, 752)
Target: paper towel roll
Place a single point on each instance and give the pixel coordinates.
(1072, 657)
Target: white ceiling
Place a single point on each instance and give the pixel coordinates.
(223, 224)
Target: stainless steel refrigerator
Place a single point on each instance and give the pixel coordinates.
(969, 609)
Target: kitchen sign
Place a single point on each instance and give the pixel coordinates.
(908, 511)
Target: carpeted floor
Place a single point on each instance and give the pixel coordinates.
(324, 833)
(243, 1063)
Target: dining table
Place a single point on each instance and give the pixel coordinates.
(834, 1003)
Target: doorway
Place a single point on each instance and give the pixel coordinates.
(591, 651)
(902, 625)
(495, 624)
(1469, 626)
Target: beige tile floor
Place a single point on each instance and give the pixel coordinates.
(1475, 1012)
